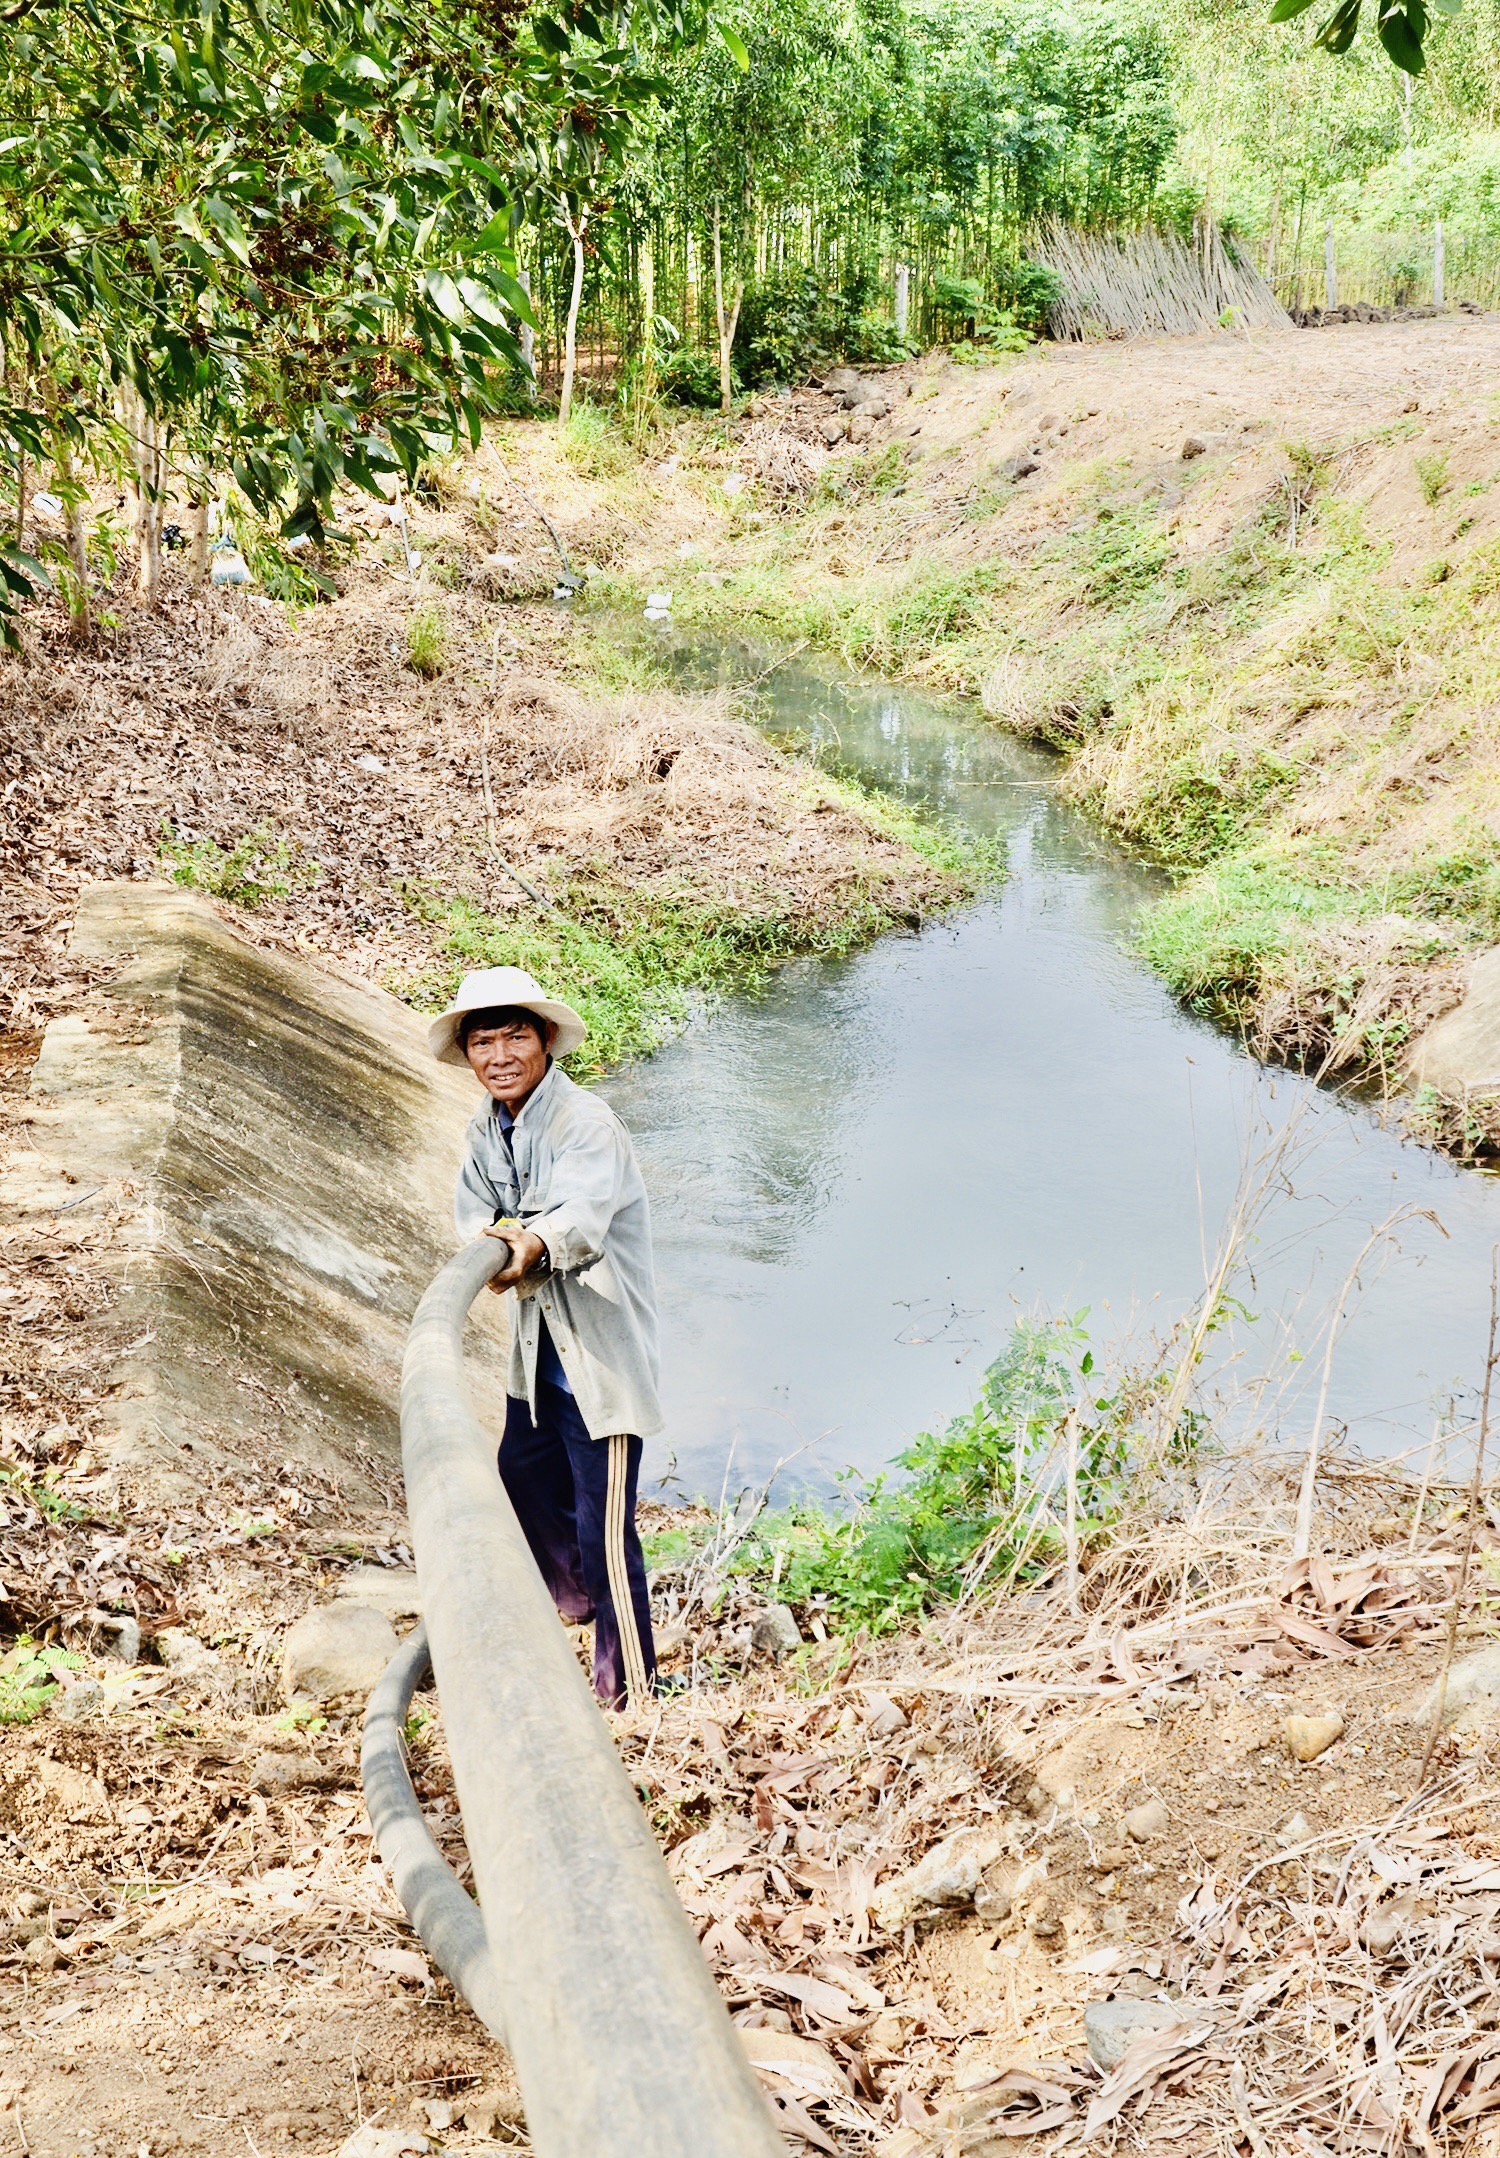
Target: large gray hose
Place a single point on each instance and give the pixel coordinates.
(622, 2044)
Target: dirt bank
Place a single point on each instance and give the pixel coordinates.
(1246, 585)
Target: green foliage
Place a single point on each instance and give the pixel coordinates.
(276, 239)
(1219, 934)
(1432, 477)
(28, 1682)
(978, 1502)
(261, 865)
(427, 641)
(689, 377)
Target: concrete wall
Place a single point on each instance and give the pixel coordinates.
(279, 1151)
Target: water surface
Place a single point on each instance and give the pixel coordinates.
(864, 1174)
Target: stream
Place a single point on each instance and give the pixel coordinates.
(863, 1175)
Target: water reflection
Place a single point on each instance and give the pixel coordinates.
(863, 1174)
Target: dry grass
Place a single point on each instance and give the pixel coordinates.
(1150, 284)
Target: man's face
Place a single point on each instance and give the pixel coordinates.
(510, 1061)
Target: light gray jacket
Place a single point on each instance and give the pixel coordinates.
(576, 1184)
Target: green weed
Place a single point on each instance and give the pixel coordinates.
(1214, 938)
(633, 959)
(1432, 477)
(28, 1681)
(427, 641)
(978, 1502)
(259, 866)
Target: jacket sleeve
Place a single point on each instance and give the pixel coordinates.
(476, 1203)
(584, 1193)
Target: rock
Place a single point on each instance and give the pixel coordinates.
(1193, 447)
(1112, 2027)
(122, 1638)
(874, 407)
(341, 1648)
(850, 388)
(1019, 468)
(669, 1641)
(1308, 1736)
(1147, 1821)
(833, 429)
(391, 1589)
(283, 1771)
(487, 2110)
(882, 1717)
(775, 1632)
(184, 1653)
(1471, 1700)
(81, 1700)
(1296, 1830)
(373, 2142)
(992, 1903)
(1459, 1055)
(861, 425)
(946, 1879)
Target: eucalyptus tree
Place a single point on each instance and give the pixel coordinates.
(275, 237)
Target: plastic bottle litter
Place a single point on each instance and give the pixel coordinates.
(734, 483)
(47, 505)
(658, 607)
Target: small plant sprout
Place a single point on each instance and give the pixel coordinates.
(427, 642)
(1432, 477)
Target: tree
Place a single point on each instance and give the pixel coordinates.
(274, 237)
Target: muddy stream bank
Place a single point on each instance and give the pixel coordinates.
(863, 1175)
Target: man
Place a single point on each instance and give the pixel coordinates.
(551, 1172)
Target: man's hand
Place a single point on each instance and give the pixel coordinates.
(526, 1252)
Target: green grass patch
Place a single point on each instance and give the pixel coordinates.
(261, 865)
(1218, 935)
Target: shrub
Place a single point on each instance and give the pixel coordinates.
(978, 1501)
(689, 377)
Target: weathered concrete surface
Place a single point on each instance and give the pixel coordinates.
(1460, 1053)
(278, 1152)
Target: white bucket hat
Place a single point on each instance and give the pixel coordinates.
(494, 986)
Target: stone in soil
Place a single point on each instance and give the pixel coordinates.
(946, 1879)
(340, 1648)
(1471, 1699)
(775, 1632)
(1144, 1823)
(1308, 1736)
(1112, 2027)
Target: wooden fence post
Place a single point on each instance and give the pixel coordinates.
(1439, 263)
(1330, 273)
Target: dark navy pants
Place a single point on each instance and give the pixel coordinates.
(575, 1498)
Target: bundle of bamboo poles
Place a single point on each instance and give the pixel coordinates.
(1151, 284)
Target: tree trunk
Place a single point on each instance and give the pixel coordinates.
(570, 335)
(528, 340)
(903, 297)
(727, 323)
(197, 552)
(22, 490)
(148, 459)
(79, 605)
